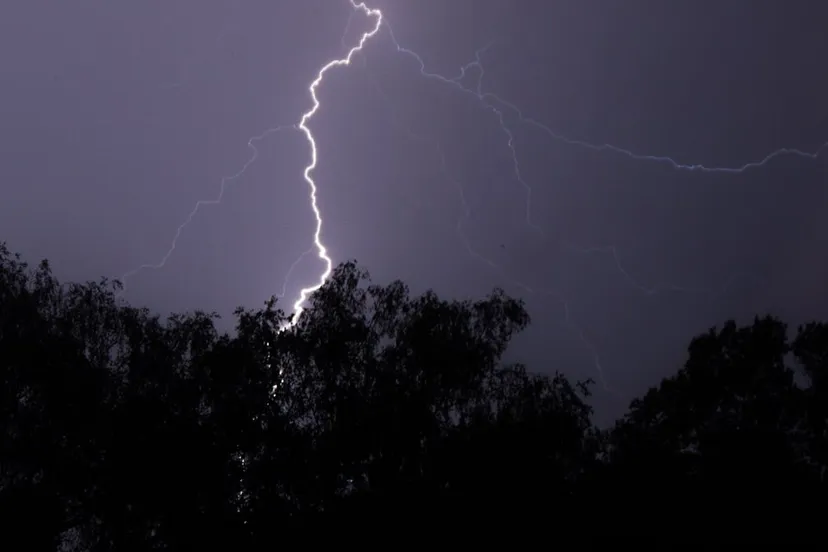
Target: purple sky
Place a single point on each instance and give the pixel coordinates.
(117, 117)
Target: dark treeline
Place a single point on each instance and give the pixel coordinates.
(382, 411)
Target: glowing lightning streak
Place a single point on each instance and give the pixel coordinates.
(321, 250)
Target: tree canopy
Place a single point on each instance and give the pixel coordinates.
(123, 431)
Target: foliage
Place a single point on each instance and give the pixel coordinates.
(123, 431)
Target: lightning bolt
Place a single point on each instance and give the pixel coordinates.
(497, 106)
(321, 250)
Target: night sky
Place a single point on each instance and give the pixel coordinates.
(117, 117)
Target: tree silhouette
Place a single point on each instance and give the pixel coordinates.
(729, 430)
(122, 431)
(405, 401)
